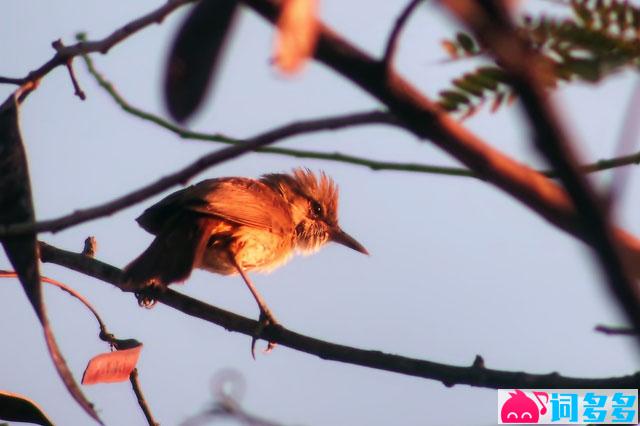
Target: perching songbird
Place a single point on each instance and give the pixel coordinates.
(234, 224)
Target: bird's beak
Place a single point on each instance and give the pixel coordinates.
(341, 237)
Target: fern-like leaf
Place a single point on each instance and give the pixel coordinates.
(600, 38)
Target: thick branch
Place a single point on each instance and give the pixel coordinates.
(475, 375)
(526, 69)
(427, 120)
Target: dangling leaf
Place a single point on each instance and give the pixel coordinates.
(297, 34)
(111, 367)
(195, 55)
(18, 408)
(16, 207)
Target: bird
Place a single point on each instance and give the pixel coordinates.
(233, 225)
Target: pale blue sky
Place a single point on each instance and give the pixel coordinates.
(457, 268)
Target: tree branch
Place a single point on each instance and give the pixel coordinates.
(142, 402)
(185, 174)
(392, 42)
(475, 375)
(491, 24)
(615, 331)
(427, 120)
(380, 117)
(104, 334)
(64, 54)
(72, 75)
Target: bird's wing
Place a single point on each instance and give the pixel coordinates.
(239, 200)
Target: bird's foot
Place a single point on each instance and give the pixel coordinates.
(266, 319)
(147, 296)
(145, 301)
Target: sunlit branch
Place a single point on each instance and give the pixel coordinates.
(474, 375)
(526, 69)
(427, 120)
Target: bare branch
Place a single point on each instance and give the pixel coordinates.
(8, 80)
(185, 174)
(474, 375)
(65, 53)
(76, 87)
(69, 64)
(392, 42)
(142, 402)
(375, 117)
(615, 331)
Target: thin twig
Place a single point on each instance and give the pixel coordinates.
(392, 42)
(183, 175)
(142, 402)
(627, 142)
(65, 53)
(90, 247)
(104, 335)
(69, 64)
(492, 26)
(474, 375)
(615, 331)
(76, 86)
(69, 290)
(366, 117)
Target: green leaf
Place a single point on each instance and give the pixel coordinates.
(468, 85)
(466, 42)
(454, 97)
(494, 74)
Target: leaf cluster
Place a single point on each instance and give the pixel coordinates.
(597, 39)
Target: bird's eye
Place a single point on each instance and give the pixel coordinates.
(316, 208)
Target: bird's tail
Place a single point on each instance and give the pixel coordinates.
(171, 256)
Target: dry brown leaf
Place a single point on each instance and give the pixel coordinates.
(297, 34)
(111, 367)
(16, 206)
